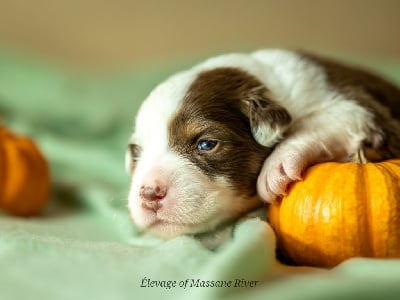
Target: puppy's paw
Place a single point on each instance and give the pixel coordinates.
(279, 170)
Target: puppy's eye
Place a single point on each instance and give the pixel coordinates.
(135, 151)
(131, 157)
(206, 145)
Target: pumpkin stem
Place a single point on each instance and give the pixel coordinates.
(359, 157)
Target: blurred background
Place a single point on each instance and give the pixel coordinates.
(119, 34)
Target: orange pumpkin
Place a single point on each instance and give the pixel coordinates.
(340, 210)
(24, 175)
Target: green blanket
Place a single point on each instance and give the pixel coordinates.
(84, 246)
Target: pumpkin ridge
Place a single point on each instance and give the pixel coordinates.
(348, 194)
(395, 162)
(334, 174)
(20, 163)
(36, 181)
(389, 173)
(396, 222)
(365, 189)
(388, 167)
(14, 178)
(30, 180)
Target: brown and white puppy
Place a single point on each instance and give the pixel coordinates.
(212, 142)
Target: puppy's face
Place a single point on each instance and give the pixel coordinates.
(200, 140)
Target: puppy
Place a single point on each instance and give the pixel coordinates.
(216, 141)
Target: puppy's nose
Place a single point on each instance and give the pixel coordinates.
(151, 196)
(152, 193)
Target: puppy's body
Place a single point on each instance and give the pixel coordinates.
(211, 142)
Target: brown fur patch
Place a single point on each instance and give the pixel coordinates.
(378, 95)
(214, 109)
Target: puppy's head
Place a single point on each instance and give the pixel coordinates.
(200, 140)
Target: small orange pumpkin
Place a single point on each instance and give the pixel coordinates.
(24, 175)
(340, 210)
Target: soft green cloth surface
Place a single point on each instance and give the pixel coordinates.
(84, 246)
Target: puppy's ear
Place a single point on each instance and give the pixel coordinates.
(268, 120)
